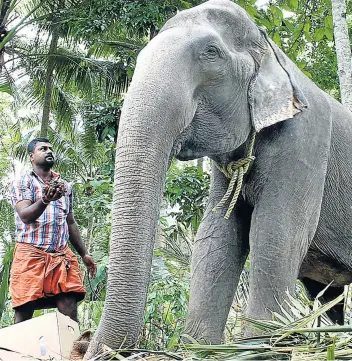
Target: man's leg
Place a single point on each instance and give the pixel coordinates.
(23, 313)
(66, 303)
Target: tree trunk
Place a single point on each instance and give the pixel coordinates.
(343, 51)
(49, 85)
(3, 31)
(344, 61)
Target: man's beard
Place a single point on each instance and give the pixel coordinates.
(48, 164)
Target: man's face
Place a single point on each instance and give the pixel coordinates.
(43, 155)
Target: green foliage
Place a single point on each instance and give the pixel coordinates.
(6, 260)
(167, 303)
(105, 118)
(304, 31)
(92, 18)
(187, 189)
(7, 226)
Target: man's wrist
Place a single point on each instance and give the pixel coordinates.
(45, 201)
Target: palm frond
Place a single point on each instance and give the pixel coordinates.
(294, 340)
(73, 72)
(79, 153)
(89, 145)
(64, 107)
(67, 155)
(177, 244)
(20, 140)
(6, 83)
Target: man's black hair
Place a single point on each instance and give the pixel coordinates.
(31, 145)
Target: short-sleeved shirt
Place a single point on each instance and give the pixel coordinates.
(50, 231)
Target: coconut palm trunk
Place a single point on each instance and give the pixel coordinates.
(343, 51)
(49, 85)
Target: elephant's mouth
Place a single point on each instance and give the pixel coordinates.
(191, 154)
(188, 152)
(185, 149)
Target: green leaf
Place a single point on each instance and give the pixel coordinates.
(329, 33)
(277, 11)
(186, 4)
(266, 23)
(6, 88)
(290, 26)
(328, 22)
(294, 4)
(277, 39)
(301, 64)
(173, 341)
(319, 34)
(252, 11)
(306, 27)
(330, 355)
(308, 37)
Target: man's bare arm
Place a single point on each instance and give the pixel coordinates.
(75, 236)
(28, 211)
(77, 243)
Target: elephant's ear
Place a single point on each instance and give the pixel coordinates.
(275, 94)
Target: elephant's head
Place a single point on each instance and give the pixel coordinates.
(233, 78)
(199, 87)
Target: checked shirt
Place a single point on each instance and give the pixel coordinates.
(50, 231)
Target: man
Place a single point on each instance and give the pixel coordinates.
(45, 271)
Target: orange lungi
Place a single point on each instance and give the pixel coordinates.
(37, 275)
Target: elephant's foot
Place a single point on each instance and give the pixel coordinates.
(201, 332)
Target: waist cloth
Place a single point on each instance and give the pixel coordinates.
(37, 275)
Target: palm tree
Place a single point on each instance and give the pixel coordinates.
(343, 51)
(57, 68)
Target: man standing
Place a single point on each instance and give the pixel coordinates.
(45, 272)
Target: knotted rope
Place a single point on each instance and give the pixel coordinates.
(235, 171)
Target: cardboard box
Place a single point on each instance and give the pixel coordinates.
(50, 336)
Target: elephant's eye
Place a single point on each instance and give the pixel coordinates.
(211, 53)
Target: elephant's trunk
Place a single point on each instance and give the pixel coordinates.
(153, 116)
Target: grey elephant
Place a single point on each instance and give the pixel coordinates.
(200, 86)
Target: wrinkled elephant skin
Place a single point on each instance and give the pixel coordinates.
(200, 86)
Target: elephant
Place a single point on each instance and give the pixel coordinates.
(201, 86)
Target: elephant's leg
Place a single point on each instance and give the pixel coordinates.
(336, 313)
(219, 253)
(286, 186)
(279, 240)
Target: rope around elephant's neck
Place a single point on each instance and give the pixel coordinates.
(235, 171)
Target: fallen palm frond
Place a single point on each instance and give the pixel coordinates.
(292, 335)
